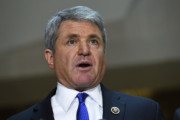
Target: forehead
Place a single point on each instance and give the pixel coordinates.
(72, 26)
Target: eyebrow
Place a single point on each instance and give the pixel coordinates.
(95, 36)
(73, 36)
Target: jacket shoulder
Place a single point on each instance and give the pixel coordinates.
(132, 107)
(136, 99)
(24, 115)
(126, 98)
(36, 111)
(135, 102)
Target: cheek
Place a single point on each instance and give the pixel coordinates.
(63, 63)
(68, 57)
(100, 60)
(61, 58)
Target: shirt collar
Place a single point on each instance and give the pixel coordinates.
(95, 94)
(65, 96)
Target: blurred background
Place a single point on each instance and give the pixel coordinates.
(143, 51)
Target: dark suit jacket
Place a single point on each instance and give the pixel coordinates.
(131, 108)
(177, 114)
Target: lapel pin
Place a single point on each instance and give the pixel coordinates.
(115, 110)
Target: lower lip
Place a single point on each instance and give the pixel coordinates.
(84, 68)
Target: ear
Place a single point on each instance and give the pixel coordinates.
(49, 58)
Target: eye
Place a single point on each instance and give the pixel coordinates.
(71, 42)
(94, 42)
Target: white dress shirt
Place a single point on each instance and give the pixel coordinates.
(65, 103)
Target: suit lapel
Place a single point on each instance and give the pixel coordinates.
(112, 99)
(43, 110)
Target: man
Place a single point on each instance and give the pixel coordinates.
(177, 114)
(75, 41)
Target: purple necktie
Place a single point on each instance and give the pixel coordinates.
(82, 113)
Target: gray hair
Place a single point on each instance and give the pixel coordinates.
(75, 13)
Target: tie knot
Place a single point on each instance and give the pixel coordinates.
(82, 97)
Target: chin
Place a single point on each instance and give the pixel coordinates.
(84, 81)
(81, 86)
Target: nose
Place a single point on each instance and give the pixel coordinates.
(84, 49)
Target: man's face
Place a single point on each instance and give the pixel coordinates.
(79, 60)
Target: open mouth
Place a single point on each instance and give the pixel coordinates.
(84, 65)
